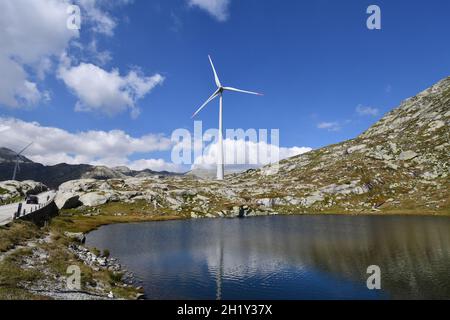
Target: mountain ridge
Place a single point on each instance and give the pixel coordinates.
(55, 175)
(400, 165)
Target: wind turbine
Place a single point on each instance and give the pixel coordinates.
(219, 93)
(17, 166)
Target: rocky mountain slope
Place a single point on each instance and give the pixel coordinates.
(10, 191)
(53, 176)
(399, 165)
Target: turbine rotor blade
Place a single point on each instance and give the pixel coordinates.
(216, 77)
(242, 91)
(19, 153)
(214, 95)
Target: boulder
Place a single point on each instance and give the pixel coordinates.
(76, 236)
(78, 185)
(201, 198)
(194, 215)
(430, 175)
(392, 165)
(140, 296)
(407, 155)
(105, 186)
(244, 211)
(12, 189)
(292, 200)
(93, 199)
(393, 147)
(265, 202)
(137, 195)
(176, 202)
(67, 200)
(356, 148)
(433, 126)
(350, 188)
(309, 201)
(33, 187)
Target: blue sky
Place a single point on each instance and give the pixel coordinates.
(325, 76)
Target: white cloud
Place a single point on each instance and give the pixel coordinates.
(112, 148)
(245, 154)
(33, 34)
(330, 126)
(100, 20)
(99, 57)
(107, 91)
(217, 8)
(30, 33)
(367, 111)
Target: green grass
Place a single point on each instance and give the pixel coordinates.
(17, 233)
(12, 200)
(3, 191)
(13, 277)
(85, 224)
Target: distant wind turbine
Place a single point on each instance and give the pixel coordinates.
(219, 93)
(17, 166)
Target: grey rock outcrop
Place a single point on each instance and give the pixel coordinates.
(407, 155)
(93, 199)
(67, 200)
(12, 189)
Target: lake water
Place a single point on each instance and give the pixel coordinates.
(285, 257)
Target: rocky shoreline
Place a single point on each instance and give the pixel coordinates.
(101, 262)
(38, 268)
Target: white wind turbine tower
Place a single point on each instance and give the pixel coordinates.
(17, 166)
(219, 93)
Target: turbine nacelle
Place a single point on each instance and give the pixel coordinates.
(17, 165)
(220, 89)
